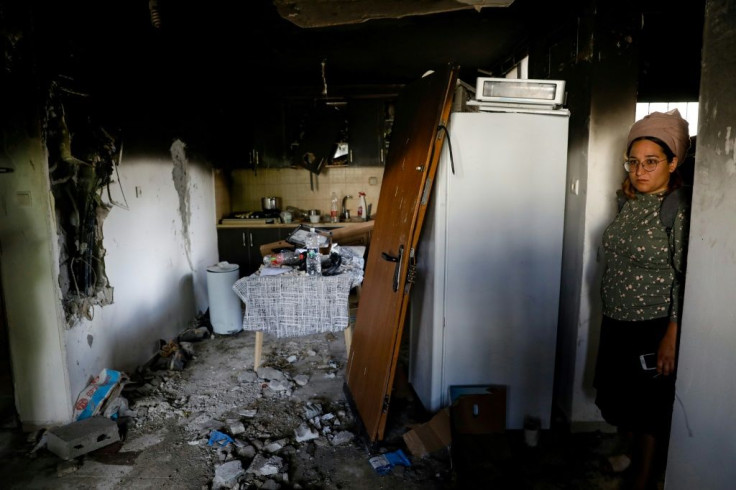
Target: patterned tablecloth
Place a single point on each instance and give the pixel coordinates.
(294, 304)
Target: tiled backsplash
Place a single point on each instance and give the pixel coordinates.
(292, 186)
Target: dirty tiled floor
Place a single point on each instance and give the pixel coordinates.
(296, 432)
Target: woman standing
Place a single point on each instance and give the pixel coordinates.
(642, 294)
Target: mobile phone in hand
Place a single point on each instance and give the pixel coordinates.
(648, 361)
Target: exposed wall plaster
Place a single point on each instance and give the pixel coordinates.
(180, 175)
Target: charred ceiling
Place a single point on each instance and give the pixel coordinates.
(167, 69)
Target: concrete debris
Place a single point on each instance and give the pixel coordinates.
(312, 410)
(246, 452)
(341, 438)
(305, 433)
(262, 466)
(270, 485)
(250, 425)
(236, 428)
(274, 447)
(250, 413)
(270, 373)
(78, 438)
(278, 385)
(227, 474)
(247, 377)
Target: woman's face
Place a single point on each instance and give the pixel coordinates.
(655, 181)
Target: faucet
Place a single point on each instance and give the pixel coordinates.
(345, 212)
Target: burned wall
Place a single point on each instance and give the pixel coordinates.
(82, 157)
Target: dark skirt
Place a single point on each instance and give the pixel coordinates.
(628, 396)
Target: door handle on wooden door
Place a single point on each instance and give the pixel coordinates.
(397, 269)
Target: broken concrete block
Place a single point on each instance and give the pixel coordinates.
(261, 466)
(270, 373)
(270, 485)
(250, 413)
(312, 410)
(278, 385)
(227, 474)
(237, 428)
(342, 437)
(274, 447)
(305, 433)
(81, 437)
(246, 452)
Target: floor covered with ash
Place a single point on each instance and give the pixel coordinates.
(218, 424)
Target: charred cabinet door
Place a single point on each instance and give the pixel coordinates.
(416, 141)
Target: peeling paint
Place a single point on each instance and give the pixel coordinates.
(180, 175)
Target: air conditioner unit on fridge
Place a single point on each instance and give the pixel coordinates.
(515, 91)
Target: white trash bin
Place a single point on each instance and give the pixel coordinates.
(225, 312)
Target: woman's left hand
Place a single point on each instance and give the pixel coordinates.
(666, 353)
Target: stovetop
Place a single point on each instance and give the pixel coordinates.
(271, 213)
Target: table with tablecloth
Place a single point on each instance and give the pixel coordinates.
(293, 303)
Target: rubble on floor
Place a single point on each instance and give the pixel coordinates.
(215, 423)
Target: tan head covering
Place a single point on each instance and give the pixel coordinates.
(669, 127)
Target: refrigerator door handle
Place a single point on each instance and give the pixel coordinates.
(397, 269)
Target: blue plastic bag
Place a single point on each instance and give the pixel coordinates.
(219, 438)
(384, 463)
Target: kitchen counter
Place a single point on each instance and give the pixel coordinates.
(260, 223)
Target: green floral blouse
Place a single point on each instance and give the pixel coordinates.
(640, 281)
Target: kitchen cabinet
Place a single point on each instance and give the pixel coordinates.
(242, 245)
(283, 131)
(270, 141)
(366, 121)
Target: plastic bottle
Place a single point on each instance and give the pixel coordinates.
(361, 206)
(333, 208)
(314, 259)
(287, 257)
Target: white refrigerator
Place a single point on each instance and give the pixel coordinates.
(484, 306)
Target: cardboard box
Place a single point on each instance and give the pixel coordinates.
(430, 436)
(478, 409)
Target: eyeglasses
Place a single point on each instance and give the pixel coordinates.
(648, 164)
